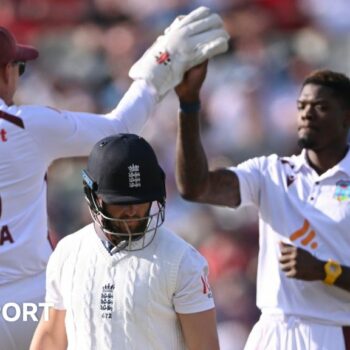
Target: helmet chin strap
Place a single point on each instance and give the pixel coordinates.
(102, 235)
(120, 246)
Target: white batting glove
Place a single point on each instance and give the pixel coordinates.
(188, 41)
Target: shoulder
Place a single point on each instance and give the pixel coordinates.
(20, 115)
(176, 245)
(257, 163)
(68, 245)
(169, 238)
(266, 163)
(36, 116)
(35, 111)
(67, 250)
(181, 260)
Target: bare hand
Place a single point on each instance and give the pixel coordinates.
(300, 264)
(188, 90)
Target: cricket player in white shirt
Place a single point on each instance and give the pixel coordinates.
(303, 282)
(124, 281)
(31, 137)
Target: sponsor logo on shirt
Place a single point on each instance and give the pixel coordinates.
(305, 235)
(342, 191)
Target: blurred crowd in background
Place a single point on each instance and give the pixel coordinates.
(248, 107)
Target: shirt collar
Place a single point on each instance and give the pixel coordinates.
(301, 161)
(344, 164)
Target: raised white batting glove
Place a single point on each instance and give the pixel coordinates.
(188, 41)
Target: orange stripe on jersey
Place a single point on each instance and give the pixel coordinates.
(295, 235)
(308, 238)
(12, 119)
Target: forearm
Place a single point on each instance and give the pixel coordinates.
(194, 180)
(47, 342)
(135, 107)
(301, 264)
(343, 280)
(191, 161)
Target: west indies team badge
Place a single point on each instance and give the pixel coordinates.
(342, 191)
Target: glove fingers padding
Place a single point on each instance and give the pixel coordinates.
(188, 42)
(214, 47)
(195, 15)
(175, 25)
(183, 20)
(208, 50)
(211, 22)
(206, 37)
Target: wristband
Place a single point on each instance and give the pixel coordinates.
(190, 108)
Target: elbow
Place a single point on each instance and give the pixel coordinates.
(192, 186)
(188, 196)
(190, 193)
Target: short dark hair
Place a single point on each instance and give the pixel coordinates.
(338, 82)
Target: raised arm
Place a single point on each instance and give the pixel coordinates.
(195, 181)
(188, 41)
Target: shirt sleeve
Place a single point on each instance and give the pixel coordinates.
(60, 133)
(250, 176)
(53, 282)
(193, 293)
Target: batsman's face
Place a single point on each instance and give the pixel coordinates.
(323, 121)
(133, 218)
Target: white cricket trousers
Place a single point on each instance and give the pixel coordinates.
(18, 301)
(282, 332)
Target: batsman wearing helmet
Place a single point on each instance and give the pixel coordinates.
(124, 281)
(32, 137)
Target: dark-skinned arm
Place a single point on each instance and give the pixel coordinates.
(300, 264)
(194, 180)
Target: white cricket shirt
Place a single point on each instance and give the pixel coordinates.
(31, 137)
(129, 300)
(311, 211)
